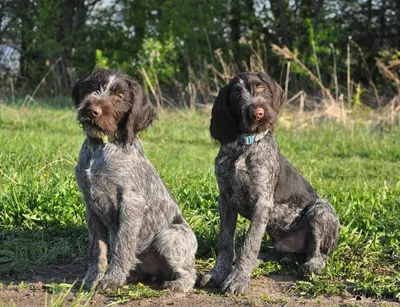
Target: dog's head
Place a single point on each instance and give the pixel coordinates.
(249, 104)
(109, 102)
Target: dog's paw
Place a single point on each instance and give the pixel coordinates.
(236, 283)
(112, 280)
(289, 259)
(90, 280)
(212, 279)
(110, 284)
(178, 286)
(272, 255)
(313, 266)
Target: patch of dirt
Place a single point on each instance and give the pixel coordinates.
(271, 290)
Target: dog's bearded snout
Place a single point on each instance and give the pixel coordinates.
(254, 115)
(89, 110)
(96, 117)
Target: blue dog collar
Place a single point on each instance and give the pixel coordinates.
(247, 140)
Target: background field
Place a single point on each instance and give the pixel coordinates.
(356, 167)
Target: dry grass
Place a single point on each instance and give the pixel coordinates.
(203, 86)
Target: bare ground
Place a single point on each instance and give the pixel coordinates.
(271, 290)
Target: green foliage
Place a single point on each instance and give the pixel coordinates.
(130, 293)
(166, 37)
(63, 293)
(318, 287)
(159, 58)
(356, 101)
(41, 44)
(57, 287)
(313, 47)
(101, 60)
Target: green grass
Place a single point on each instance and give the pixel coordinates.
(42, 215)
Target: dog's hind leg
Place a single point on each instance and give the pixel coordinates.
(324, 234)
(178, 245)
(314, 233)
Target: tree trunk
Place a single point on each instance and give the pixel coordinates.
(67, 28)
(234, 23)
(281, 6)
(26, 30)
(382, 22)
(397, 33)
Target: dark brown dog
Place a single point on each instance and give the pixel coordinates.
(114, 103)
(257, 182)
(233, 115)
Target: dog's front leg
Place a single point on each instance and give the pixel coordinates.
(97, 248)
(239, 280)
(123, 255)
(226, 248)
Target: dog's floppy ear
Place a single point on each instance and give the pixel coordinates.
(223, 126)
(142, 112)
(277, 94)
(75, 94)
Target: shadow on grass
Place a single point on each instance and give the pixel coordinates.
(49, 255)
(58, 255)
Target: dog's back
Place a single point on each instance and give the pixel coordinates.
(291, 186)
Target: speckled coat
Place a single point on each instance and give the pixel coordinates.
(128, 207)
(126, 198)
(257, 182)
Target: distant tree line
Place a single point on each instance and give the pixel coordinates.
(170, 36)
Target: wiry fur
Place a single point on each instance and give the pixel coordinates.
(128, 207)
(257, 182)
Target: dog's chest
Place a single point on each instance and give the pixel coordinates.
(235, 180)
(99, 180)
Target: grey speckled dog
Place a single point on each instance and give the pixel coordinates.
(257, 182)
(125, 198)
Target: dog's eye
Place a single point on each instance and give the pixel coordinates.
(120, 95)
(259, 88)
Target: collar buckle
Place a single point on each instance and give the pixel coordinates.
(246, 140)
(105, 139)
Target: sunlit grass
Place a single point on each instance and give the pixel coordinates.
(42, 215)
